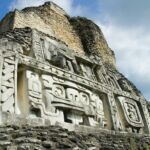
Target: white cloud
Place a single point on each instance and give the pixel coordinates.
(132, 49)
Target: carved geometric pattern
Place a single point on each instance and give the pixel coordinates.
(59, 91)
(38, 46)
(131, 111)
(49, 94)
(35, 94)
(34, 87)
(114, 112)
(8, 85)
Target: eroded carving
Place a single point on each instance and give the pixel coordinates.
(47, 92)
(97, 108)
(124, 85)
(73, 94)
(34, 89)
(37, 46)
(131, 113)
(87, 71)
(75, 118)
(59, 85)
(115, 114)
(59, 91)
(99, 72)
(41, 99)
(8, 85)
(84, 98)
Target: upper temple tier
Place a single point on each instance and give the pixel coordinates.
(79, 34)
(59, 70)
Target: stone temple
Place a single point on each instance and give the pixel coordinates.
(59, 70)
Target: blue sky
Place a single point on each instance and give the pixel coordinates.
(125, 24)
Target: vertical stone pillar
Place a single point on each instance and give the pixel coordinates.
(1, 64)
(37, 46)
(8, 84)
(8, 80)
(114, 112)
(146, 114)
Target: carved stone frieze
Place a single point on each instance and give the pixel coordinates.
(131, 117)
(131, 112)
(124, 85)
(37, 46)
(114, 112)
(49, 95)
(74, 77)
(50, 81)
(8, 79)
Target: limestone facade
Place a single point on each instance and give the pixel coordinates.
(45, 81)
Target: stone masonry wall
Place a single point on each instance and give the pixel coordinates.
(55, 138)
(93, 39)
(52, 20)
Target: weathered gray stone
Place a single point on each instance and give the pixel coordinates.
(60, 71)
(48, 144)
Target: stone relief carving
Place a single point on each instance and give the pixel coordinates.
(97, 108)
(75, 118)
(99, 71)
(37, 46)
(112, 81)
(34, 85)
(34, 89)
(131, 112)
(54, 52)
(57, 89)
(84, 98)
(124, 85)
(47, 92)
(8, 85)
(114, 112)
(146, 109)
(87, 71)
(41, 99)
(49, 50)
(64, 61)
(48, 95)
(73, 94)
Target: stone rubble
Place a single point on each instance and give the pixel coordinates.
(56, 138)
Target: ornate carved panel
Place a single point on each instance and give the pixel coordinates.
(124, 85)
(8, 84)
(114, 112)
(84, 98)
(98, 110)
(56, 84)
(73, 94)
(131, 112)
(99, 72)
(50, 96)
(59, 91)
(87, 71)
(37, 46)
(40, 97)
